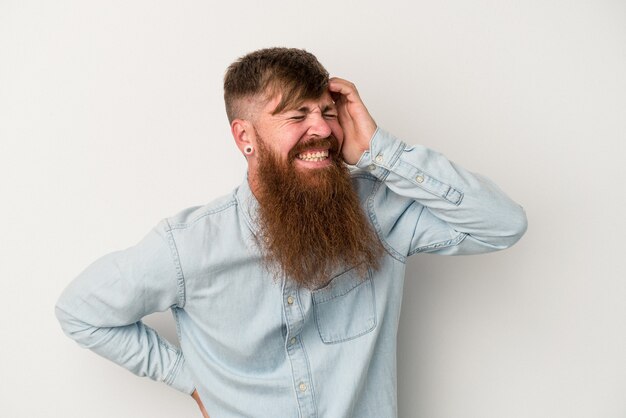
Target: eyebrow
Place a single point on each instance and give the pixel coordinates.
(306, 109)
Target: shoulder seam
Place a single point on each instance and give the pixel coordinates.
(182, 296)
(183, 225)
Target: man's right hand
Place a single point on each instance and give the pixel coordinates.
(200, 405)
(357, 124)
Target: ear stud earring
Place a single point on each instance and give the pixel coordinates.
(248, 149)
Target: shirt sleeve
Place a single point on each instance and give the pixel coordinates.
(426, 203)
(102, 308)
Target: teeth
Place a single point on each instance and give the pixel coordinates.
(313, 156)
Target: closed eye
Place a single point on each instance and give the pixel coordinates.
(330, 115)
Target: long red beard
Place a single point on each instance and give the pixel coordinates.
(311, 222)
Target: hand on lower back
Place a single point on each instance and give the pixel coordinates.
(200, 405)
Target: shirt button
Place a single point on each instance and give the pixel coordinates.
(290, 300)
(302, 387)
(419, 179)
(379, 158)
(292, 341)
(372, 167)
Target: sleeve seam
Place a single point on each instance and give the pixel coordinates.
(182, 296)
(442, 244)
(171, 376)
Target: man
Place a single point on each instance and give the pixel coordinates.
(286, 293)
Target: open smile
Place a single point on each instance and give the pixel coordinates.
(314, 158)
(313, 155)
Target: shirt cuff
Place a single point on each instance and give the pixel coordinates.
(384, 151)
(180, 377)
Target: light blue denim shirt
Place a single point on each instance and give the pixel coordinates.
(257, 347)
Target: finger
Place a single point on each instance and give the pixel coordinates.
(343, 113)
(338, 86)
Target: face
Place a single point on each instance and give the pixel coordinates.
(299, 136)
(310, 219)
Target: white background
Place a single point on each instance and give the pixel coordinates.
(111, 118)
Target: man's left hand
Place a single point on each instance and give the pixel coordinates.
(356, 122)
(196, 397)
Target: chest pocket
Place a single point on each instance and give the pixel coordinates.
(345, 308)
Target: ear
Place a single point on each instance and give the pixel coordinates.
(243, 133)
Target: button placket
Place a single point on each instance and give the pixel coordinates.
(294, 316)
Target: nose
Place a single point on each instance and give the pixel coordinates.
(319, 126)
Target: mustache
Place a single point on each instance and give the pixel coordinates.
(329, 142)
